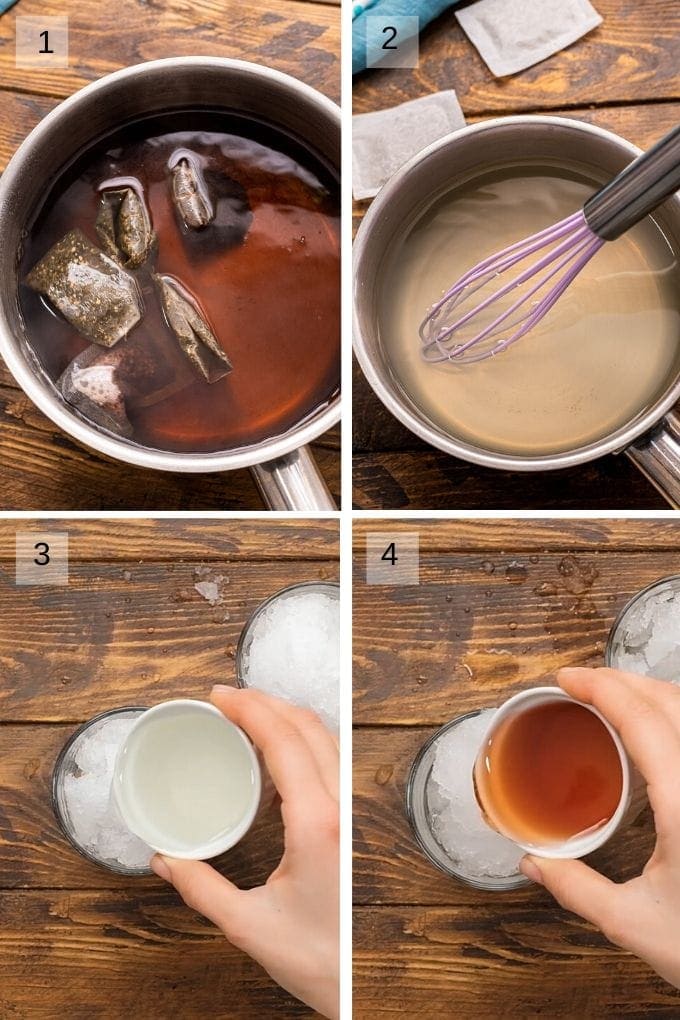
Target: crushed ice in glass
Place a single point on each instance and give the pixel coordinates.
(95, 822)
(648, 638)
(475, 849)
(293, 652)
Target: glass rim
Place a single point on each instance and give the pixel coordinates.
(259, 609)
(623, 612)
(61, 821)
(505, 884)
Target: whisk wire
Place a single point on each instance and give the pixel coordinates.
(573, 244)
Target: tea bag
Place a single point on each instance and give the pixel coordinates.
(123, 226)
(90, 383)
(191, 330)
(190, 193)
(90, 290)
(512, 35)
(383, 141)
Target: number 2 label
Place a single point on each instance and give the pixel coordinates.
(387, 45)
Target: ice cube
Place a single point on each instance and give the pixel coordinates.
(477, 850)
(95, 822)
(293, 652)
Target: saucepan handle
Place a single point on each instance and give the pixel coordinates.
(657, 454)
(293, 482)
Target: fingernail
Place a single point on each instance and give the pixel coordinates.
(222, 689)
(530, 870)
(160, 867)
(576, 670)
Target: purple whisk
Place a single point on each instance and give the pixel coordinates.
(566, 247)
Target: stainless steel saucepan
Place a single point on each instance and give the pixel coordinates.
(283, 467)
(652, 437)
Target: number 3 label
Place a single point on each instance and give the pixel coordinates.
(42, 557)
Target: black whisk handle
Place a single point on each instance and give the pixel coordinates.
(637, 190)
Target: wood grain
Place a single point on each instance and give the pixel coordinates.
(19, 114)
(117, 954)
(434, 481)
(130, 628)
(634, 55)
(390, 868)
(43, 469)
(535, 535)
(434, 961)
(130, 541)
(500, 605)
(301, 39)
(127, 636)
(642, 124)
(478, 628)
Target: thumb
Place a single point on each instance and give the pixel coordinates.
(578, 888)
(204, 890)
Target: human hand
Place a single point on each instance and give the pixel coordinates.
(290, 925)
(640, 915)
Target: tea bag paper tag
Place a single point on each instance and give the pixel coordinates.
(383, 141)
(511, 35)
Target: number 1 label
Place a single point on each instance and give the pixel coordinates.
(41, 41)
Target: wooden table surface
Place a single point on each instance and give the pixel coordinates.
(624, 76)
(500, 606)
(41, 467)
(76, 940)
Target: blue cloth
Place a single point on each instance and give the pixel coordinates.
(426, 11)
(6, 4)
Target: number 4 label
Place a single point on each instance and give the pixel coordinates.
(392, 558)
(390, 554)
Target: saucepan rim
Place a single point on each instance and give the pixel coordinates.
(387, 389)
(22, 362)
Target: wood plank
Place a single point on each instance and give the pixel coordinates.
(390, 868)
(125, 953)
(19, 114)
(132, 634)
(634, 55)
(426, 945)
(35, 854)
(432, 480)
(43, 469)
(479, 628)
(227, 541)
(303, 40)
(494, 963)
(642, 124)
(496, 534)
